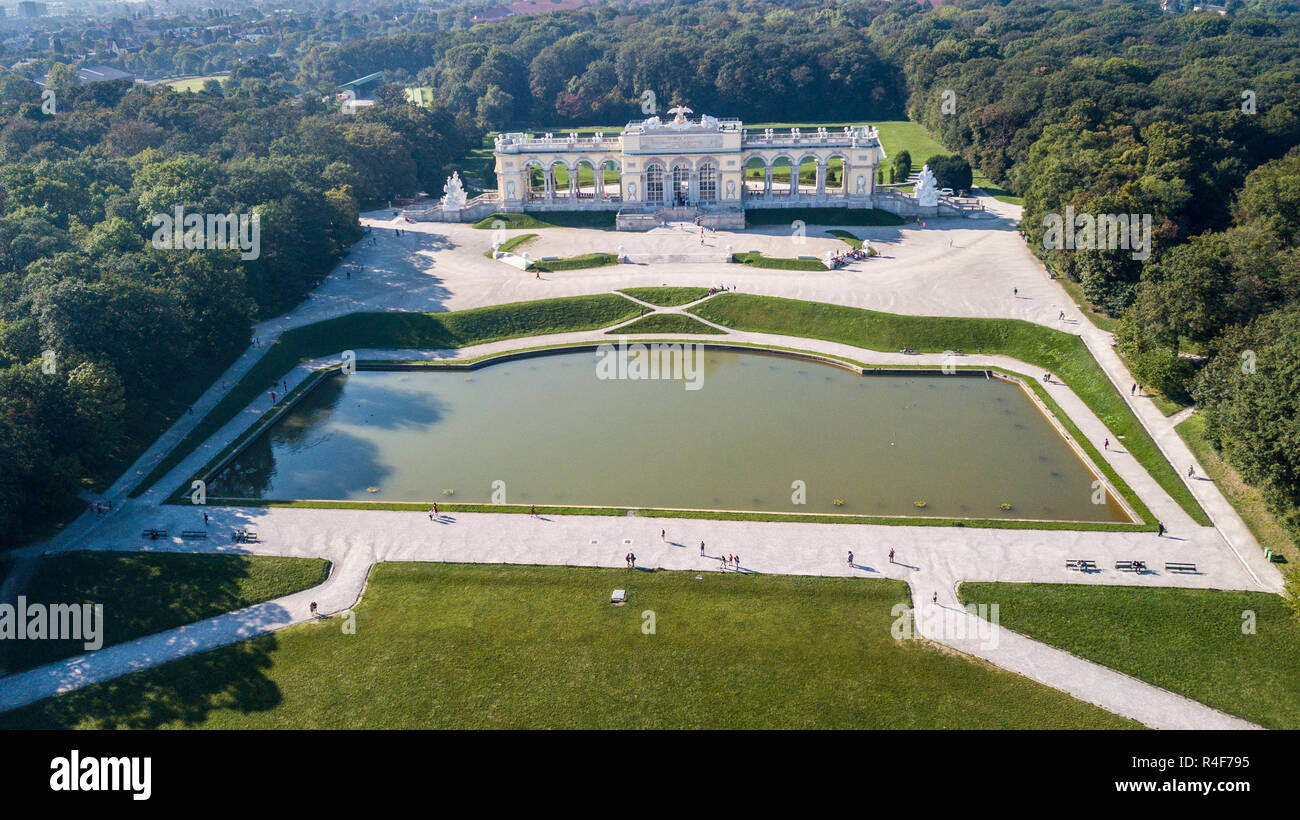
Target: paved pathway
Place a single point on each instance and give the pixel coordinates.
(946, 267)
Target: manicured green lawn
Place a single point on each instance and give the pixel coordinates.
(822, 216)
(144, 593)
(1062, 354)
(456, 646)
(848, 238)
(1188, 641)
(586, 260)
(666, 323)
(758, 260)
(552, 219)
(667, 296)
(389, 331)
(510, 244)
(905, 135)
(194, 83)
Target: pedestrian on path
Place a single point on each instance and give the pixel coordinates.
(935, 599)
(205, 519)
(1132, 391)
(736, 559)
(1061, 318)
(435, 509)
(1105, 444)
(850, 557)
(1191, 470)
(891, 555)
(1015, 292)
(532, 511)
(1160, 531)
(663, 535)
(313, 609)
(431, 514)
(701, 549)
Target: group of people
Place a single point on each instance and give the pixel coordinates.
(841, 259)
(729, 562)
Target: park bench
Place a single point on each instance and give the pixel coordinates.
(1273, 555)
(244, 537)
(193, 534)
(154, 534)
(1131, 566)
(1176, 566)
(1081, 565)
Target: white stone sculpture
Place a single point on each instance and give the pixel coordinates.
(927, 189)
(454, 193)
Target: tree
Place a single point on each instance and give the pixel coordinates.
(950, 171)
(901, 167)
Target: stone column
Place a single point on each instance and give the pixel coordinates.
(821, 177)
(573, 182)
(767, 180)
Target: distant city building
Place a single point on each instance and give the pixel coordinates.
(28, 8)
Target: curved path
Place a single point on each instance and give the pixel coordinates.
(945, 267)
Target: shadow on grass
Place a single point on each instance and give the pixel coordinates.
(185, 693)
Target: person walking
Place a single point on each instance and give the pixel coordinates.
(1015, 292)
(701, 549)
(435, 510)
(1132, 391)
(205, 519)
(532, 511)
(935, 599)
(1191, 470)
(736, 560)
(663, 535)
(891, 555)
(430, 514)
(850, 557)
(1160, 529)
(1105, 444)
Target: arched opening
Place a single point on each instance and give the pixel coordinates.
(782, 176)
(587, 188)
(755, 177)
(654, 183)
(708, 183)
(560, 180)
(807, 175)
(681, 187)
(835, 176)
(536, 180)
(611, 182)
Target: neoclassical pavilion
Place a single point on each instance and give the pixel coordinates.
(712, 166)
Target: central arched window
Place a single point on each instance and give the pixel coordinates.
(681, 185)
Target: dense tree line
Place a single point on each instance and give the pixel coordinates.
(102, 333)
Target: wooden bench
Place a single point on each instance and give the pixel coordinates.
(243, 537)
(1175, 566)
(1131, 566)
(1082, 565)
(154, 534)
(194, 534)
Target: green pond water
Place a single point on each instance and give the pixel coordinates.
(555, 433)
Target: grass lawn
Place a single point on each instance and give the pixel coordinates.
(144, 593)
(1245, 498)
(905, 135)
(1062, 354)
(849, 239)
(1188, 641)
(822, 216)
(667, 296)
(666, 323)
(388, 331)
(510, 244)
(484, 646)
(194, 83)
(758, 260)
(586, 260)
(551, 219)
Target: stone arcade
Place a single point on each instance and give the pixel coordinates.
(681, 169)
